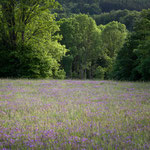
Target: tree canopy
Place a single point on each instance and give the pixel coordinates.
(95, 7)
(133, 61)
(30, 45)
(82, 37)
(88, 44)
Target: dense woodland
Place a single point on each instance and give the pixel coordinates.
(99, 39)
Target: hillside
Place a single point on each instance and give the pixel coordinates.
(99, 6)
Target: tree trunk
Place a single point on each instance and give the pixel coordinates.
(85, 73)
(23, 24)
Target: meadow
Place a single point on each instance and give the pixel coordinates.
(74, 115)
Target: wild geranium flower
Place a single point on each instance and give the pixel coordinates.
(84, 139)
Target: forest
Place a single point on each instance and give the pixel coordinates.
(58, 39)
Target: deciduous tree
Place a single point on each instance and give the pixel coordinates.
(30, 46)
(82, 37)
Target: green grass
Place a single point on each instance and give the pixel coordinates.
(74, 114)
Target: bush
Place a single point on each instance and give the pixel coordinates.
(28, 62)
(60, 74)
(100, 72)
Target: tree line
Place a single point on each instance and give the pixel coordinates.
(93, 7)
(92, 48)
(36, 44)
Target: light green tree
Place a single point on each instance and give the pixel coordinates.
(82, 37)
(113, 37)
(28, 35)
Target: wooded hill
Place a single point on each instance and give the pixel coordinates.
(98, 6)
(37, 43)
(105, 11)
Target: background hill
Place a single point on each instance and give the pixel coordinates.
(100, 6)
(105, 11)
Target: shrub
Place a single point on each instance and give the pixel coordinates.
(100, 72)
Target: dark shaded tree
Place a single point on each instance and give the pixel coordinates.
(133, 61)
(97, 6)
(123, 16)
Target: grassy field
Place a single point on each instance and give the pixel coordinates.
(74, 115)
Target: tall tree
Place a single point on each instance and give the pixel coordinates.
(143, 51)
(113, 37)
(28, 38)
(126, 60)
(82, 37)
(16, 15)
(133, 61)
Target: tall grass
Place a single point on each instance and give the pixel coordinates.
(73, 114)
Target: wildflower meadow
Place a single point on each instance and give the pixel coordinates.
(74, 115)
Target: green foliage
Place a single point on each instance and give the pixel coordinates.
(86, 8)
(8, 62)
(108, 5)
(126, 60)
(123, 16)
(60, 74)
(82, 37)
(90, 46)
(99, 72)
(29, 41)
(96, 7)
(113, 37)
(143, 51)
(133, 59)
(67, 65)
(34, 45)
